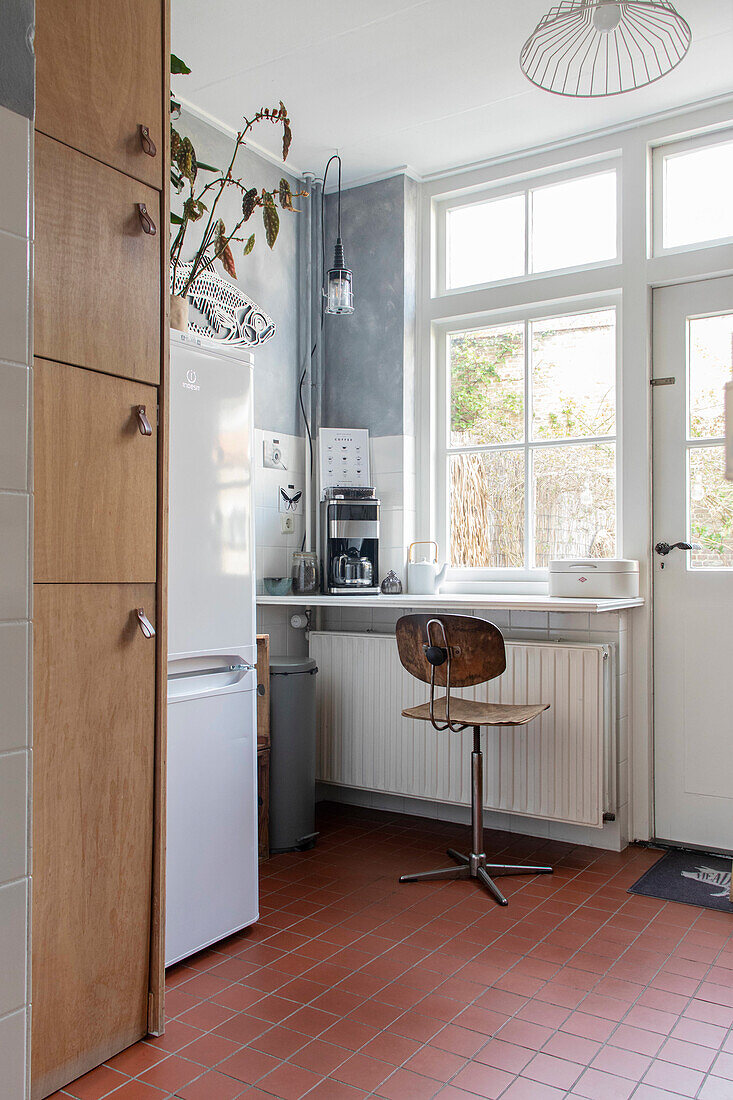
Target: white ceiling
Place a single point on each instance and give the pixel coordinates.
(428, 84)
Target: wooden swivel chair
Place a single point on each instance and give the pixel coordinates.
(457, 651)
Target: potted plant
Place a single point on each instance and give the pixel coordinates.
(200, 204)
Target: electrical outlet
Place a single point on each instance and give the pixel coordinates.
(287, 524)
(272, 455)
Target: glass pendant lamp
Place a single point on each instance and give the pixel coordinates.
(339, 289)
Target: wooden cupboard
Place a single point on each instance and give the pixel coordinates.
(99, 79)
(93, 777)
(100, 647)
(95, 466)
(97, 271)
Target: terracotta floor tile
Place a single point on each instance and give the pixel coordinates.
(138, 1090)
(362, 1072)
(209, 1049)
(248, 1066)
(136, 1059)
(622, 1063)
(664, 1075)
(279, 1042)
(548, 1070)
(328, 1089)
(395, 1049)
(597, 1085)
(98, 1082)
(171, 1073)
(433, 1062)
(211, 1086)
(289, 1082)
(486, 1081)
(502, 1055)
(403, 1085)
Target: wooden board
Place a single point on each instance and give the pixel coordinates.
(97, 281)
(263, 803)
(93, 765)
(99, 75)
(95, 477)
(263, 691)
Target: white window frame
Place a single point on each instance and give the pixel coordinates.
(521, 187)
(660, 153)
(442, 331)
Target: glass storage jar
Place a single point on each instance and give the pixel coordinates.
(305, 573)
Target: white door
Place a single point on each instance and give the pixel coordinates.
(693, 588)
(210, 539)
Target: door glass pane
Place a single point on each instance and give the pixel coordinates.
(487, 510)
(574, 502)
(711, 509)
(696, 195)
(574, 376)
(710, 367)
(574, 222)
(486, 372)
(485, 242)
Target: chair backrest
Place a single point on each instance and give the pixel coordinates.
(476, 645)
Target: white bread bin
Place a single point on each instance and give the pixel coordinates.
(595, 578)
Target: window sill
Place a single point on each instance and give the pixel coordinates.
(463, 601)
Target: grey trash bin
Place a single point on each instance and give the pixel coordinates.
(292, 753)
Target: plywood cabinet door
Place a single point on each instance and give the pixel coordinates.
(99, 77)
(95, 476)
(97, 280)
(93, 771)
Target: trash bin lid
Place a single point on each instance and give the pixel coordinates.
(291, 666)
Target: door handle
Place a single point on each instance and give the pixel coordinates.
(147, 142)
(663, 548)
(142, 421)
(145, 220)
(145, 624)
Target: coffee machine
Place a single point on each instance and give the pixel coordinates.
(350, 541)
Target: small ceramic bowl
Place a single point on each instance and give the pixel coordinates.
(277, 586)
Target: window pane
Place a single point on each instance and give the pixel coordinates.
(574, 223)
(486, 371)
(574, 502)
(710, 341)
(485, 243)
(696, 196)
(574, 376)
(487, 510)
(711, 509)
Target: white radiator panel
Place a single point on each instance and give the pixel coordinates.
(560, 767)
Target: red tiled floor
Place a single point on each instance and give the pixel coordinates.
(354, 986)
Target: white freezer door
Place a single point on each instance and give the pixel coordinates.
(211, 862)
(211, 532)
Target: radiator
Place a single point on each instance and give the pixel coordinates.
(561, 766)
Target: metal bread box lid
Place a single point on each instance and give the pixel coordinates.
(594, 566)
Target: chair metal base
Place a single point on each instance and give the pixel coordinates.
(474, 865)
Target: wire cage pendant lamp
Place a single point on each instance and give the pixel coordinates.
(590, 48)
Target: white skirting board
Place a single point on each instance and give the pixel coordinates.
(559, 768)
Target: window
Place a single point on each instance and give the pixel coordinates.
(530, 441)
(692, 189)
(710, 496)
(566, 224)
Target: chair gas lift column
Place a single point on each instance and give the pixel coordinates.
(458, 651)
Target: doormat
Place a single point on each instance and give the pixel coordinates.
(692, 878)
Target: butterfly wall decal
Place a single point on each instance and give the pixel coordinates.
(290, 499)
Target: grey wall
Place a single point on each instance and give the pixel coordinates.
(270, 277)
(364, 352)
(17, 64)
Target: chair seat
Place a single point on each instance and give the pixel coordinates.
(474, 713)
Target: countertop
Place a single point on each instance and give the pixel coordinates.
(469, 602)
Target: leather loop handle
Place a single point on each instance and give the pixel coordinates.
(421, 542)
(142, 421)
(148, 145)
(145, 624)
(145, 220)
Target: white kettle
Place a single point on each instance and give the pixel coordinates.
(424, 578)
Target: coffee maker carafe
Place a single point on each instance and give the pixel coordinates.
(350, 540)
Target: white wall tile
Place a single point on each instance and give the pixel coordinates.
(12, 1054)
(14, 141)
(14, 554)
(13, 917)
(14, 252)
(14, 669)
(13, 808)
(14, 385)
(387, 454)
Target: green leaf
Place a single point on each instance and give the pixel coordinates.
(271, 220)
(175, 219)
(178, 67)
(249, 245)
(207, 167)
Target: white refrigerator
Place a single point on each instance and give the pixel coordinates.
(211, 862)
